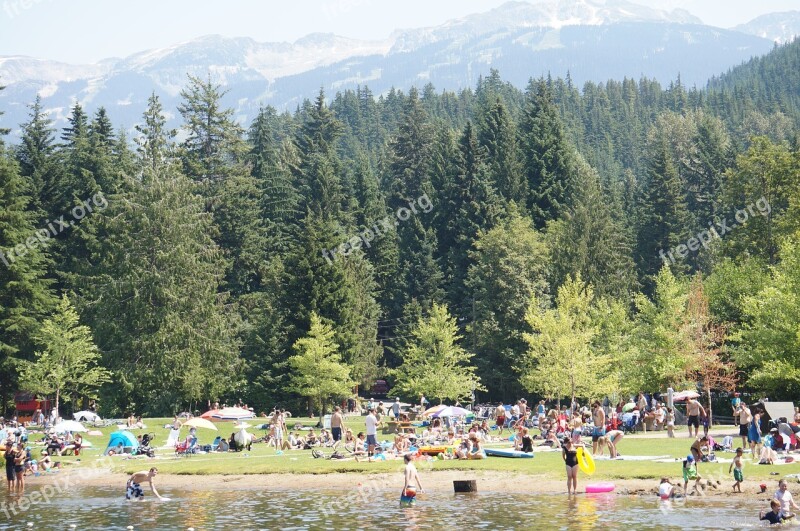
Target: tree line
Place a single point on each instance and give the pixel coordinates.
(540, 266)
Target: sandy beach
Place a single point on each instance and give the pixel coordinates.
(441, 481)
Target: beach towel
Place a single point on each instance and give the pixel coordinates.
(172, 440)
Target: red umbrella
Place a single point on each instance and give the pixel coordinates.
(208, 414)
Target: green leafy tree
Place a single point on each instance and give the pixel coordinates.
(767, 344)
(68, 365)
(317, 369)
(509, 269)
(434, 364)
(561, 361)
(661, 355)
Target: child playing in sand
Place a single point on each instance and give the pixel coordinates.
(690, 472)
(738, 474)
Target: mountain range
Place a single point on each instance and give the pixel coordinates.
(592, 40)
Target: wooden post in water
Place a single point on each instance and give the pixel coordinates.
(466, 485)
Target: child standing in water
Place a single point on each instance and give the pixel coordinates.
(409, 493)
(738, 474)
(569, 453)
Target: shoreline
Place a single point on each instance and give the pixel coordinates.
(432, 480)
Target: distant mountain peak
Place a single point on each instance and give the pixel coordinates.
(779, 27)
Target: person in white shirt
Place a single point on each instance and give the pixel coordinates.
(785, 498)
(372, 432)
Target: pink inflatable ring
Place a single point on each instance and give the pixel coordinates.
(599, 487)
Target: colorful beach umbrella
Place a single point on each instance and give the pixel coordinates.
(430, 411)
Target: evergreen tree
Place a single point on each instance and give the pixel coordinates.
(588, 242)
(25, 292)
(213, 155)
(159, 267)
(319, 172)
(37, 159)
(548, 160)
(154, 139)
(468, 204)
(498, 136)
(3, 130)
(662, 216)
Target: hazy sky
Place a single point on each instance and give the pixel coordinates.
(80, 31)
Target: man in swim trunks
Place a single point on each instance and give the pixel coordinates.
(693, 412)
(745, 417)
(409, 492)
(500, 417)
(133, 488)
(599, 419)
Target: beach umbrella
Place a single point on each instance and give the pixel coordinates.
(683, 395)
(452, 411)
(627, 407)
(208, 414)
(232, 413)
(69, 425)
(430, 411)
(198, 422)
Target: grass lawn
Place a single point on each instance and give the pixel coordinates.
(546, 465)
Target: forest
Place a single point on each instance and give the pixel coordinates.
(555, 241)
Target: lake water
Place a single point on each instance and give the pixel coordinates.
(249, 509)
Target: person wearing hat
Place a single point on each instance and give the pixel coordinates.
(690, 473)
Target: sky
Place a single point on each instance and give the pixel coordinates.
(86, 31)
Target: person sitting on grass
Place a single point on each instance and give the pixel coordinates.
(311, 440)
(767, 456)
(359, 449)
(475, 448)
(690, 473)
(775, 515)
(400, 446)
(324, 438)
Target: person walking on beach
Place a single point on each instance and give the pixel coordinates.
(10, 456)
(738, 473)
(372, 432)
(569, 452)
(133, 488)
(410, 477)
(690, 473)
(693, 412)
(500, 417)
